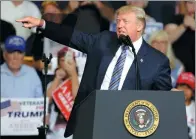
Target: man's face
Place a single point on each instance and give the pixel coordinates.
(127, 24)
(14, 60)
(52, 13)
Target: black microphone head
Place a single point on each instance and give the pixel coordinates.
(123, 39)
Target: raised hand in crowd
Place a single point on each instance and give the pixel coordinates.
(189, 22)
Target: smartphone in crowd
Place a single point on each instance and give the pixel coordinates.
(69, 56)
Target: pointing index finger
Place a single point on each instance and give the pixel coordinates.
(22, 20)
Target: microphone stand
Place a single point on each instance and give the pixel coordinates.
(44, 128)
(137, 86)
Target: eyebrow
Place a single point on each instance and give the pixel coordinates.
(123, 19)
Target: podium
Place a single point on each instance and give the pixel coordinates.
(129, 114)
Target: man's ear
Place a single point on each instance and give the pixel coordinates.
(4, 55)
(140, 26)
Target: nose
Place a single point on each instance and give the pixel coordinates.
(15, 55)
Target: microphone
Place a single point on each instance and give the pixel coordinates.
(127, 41)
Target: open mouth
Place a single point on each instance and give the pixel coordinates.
(122, 32)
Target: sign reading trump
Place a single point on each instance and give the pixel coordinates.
(21, 116)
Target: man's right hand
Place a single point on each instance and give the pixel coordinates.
(30, 22)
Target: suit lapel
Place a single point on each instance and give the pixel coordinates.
(129, 82)
(109, 53)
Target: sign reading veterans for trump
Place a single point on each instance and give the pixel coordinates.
(21, 116)
(141, 118)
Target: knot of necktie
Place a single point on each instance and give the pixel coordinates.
(125, 47)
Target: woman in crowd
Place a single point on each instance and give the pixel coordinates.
(160, 41)
(66, 71)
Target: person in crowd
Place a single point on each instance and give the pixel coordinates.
(11, 10)
(181, 32)
(18, 80)
(186, 83)
(160, 41)
(51, 11)
(66, 70)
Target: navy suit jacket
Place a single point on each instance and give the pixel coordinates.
(100, 49)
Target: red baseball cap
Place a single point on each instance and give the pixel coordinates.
(187, 78)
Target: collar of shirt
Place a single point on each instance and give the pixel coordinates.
(137, 44)
(6, 70)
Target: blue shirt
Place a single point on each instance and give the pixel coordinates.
(26, 84)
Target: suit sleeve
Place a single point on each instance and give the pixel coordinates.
(67, 35)
(163, 77)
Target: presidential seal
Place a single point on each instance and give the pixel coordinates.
(141, 118)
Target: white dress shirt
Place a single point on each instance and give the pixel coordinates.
(128, 62)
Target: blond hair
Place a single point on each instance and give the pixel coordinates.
(139, 12)
(162, 35)
(46, 3)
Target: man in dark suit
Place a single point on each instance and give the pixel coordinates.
(110, 65)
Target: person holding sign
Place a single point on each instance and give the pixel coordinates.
(65, 81)
(66, 70)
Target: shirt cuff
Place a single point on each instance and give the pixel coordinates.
(44, 25)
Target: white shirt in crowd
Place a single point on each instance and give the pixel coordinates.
(10, 12)
(128, 62)
(190, 113)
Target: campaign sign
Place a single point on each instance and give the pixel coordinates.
(21, 116)
(64, 99)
